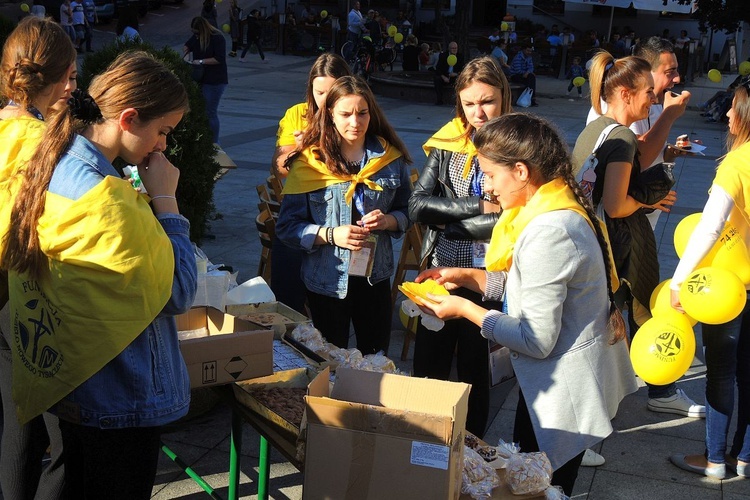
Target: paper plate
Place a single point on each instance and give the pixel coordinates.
(696, 149)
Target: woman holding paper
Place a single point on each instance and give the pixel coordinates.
(345, 197)
(550, 259)
(450, 198)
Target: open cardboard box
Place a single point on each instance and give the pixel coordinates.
(233, 350)
(385, 436)
(274, 316)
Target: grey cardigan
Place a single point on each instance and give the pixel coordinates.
(556, 328)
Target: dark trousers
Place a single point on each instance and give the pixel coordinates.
(529, 81)
(251, 41)
(523, 434)
(22, 476)
(286, 282)
(367, 307)
(110, 463)
(440, 85)
(433, 358)
(89, 37)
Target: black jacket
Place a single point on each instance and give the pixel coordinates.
(441, 68)
(433, 203)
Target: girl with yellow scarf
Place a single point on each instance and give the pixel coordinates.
(549, 259)
(345, 198)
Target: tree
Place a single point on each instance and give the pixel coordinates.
(722, 15)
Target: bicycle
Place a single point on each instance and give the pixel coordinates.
(363, 56)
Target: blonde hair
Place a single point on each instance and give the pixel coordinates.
(741, 121)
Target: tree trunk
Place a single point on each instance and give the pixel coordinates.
(463, 10)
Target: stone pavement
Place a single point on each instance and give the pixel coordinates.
(636, 454)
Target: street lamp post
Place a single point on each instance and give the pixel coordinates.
(282, 37)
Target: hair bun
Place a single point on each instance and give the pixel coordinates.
(83, 107)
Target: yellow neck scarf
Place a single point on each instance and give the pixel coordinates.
(309, 174)
(111, 267)
(451, 138)
(554, 195)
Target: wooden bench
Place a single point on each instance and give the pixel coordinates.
(418, 86)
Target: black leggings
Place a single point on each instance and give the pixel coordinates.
(523, 434)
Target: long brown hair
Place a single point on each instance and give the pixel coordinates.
(484, 70)
(327, 64)
(533, 141)
(741, 121)
(134, 80)
(37, 54)
(323, 134)
(608, 74)
(205, 30)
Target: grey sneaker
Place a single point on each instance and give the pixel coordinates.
(679, 404)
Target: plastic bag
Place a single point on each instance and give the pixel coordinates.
(524, 100)
(526, 473)
(477, 478)
(428, 321)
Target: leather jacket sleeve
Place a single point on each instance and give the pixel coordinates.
(434, 203)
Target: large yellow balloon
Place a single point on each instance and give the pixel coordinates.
(682, 234)
(661, 303)
(451, 60)
(745, 68)
(323, 14)
(714, 75)
(398, 38)
(732, 253)
(662, 350)
(579, 81)
(503, 26)
(712, 295)
(392, 30)
(25, 7)
(226, 28)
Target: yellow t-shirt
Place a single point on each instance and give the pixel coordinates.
(293, 119)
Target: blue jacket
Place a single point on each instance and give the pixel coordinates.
(147, 384)
(325, 267)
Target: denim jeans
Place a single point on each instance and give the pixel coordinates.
(727, 363)
(212, 95)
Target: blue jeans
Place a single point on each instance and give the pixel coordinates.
(212, 95)
(727, 363)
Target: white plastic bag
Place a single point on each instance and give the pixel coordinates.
(524, 100)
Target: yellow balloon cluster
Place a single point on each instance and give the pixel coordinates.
(663, 350)
(712, 295)
(661, 303)
(417, 292)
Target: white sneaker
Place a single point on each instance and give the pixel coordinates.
(592, 459)
(679, 404)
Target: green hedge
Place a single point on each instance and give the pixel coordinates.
(190, 147)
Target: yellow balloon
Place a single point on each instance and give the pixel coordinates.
(25, 7)
(392, 30)
(579, 81)
(662, 350)
(323, 14)
(732, 254)
(682, 235)
(712, 295)
(398, 38)
(451, 60)
(226, 28)
(661, 303)
(714, 75)
(745, 68)
(503, 26)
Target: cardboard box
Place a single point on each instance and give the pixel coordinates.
(385, 436)
(274, 316)
(233, 350)
(501, 368)
(315, 382)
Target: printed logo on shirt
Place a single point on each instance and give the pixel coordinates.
(34, 328)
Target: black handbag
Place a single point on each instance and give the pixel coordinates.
(653, 184)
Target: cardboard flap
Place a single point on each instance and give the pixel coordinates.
(421, 395)
(224, 345)
(376, 419)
